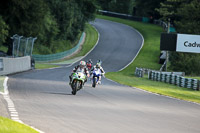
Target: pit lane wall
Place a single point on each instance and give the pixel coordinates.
(14, 65)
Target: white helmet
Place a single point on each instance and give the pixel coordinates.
(82, 63)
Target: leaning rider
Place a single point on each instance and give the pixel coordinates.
(99, 68)
(79, 68)
(89, 64)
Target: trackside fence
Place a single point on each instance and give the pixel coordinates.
(175, 78)
(61, 55)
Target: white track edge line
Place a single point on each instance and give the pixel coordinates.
(11, 108)
(133, 60)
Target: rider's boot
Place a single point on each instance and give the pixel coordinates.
(99, 82)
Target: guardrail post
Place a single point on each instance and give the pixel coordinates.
(172, 80)
(168, 78)
(159, 77)
(183, 82)
(194, 84)
(189, 83)
(149, 74)
(198, 86)
(178, 79)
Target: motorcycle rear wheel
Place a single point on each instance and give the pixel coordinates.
(94, 82)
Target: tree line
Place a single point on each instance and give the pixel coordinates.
(54, 22)
(183, 15)
(58, 23)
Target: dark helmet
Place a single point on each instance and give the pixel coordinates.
(99, 61)
(98, 65)
(89, 61)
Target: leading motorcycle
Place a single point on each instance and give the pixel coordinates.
(78, 80)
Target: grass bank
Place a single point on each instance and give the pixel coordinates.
(90, 41)
(1, 83)
(9, 126)
(148, 58)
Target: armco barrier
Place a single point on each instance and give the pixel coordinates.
(14, 65)
(52, 57)
(175, 78)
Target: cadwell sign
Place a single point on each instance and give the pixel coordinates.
(188, 43)
(180, 42)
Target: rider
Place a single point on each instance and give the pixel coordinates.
(99, 61)
(89, 64)
(98, 67)
(79, 68)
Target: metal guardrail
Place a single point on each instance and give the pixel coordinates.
(125, 16)
(161, 23)
(164, 25)
(52, 57)
(139, 72)
(175, 78)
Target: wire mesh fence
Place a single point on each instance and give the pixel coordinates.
(61, 55)
(22, 46)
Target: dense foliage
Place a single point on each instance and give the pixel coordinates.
(184, 14)
(120, 6)
(3, 30)
(56, 23)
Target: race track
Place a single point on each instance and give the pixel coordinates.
(43, 97)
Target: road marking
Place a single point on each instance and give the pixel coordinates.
(155, 93)
(11, 107)
(138, 50)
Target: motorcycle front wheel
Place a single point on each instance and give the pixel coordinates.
(74, 87)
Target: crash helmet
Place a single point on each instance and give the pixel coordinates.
(89, 61)
(98, 65)
(82, 64)
(99, 61)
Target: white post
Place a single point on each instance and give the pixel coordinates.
(168, 31)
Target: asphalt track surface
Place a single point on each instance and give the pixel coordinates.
(43, 97)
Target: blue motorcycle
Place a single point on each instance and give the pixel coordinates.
(96, 73)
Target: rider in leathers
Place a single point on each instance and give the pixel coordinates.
(98, 67)
(79, 68)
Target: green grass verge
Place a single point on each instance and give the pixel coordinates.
(90, 41)
(193, 77)
(9, 126)
(148, 58)
(3, 48)
(44, 66)
(1, 83)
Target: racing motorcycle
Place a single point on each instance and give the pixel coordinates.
(78, 80)
(95, 80)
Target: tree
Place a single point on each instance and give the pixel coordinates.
(120, 6)
(185, 62)
(51, 21)
(3, 30)
(188, 18)
(28, 18)
(147, 8)
(185, 17)
(169, 8)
